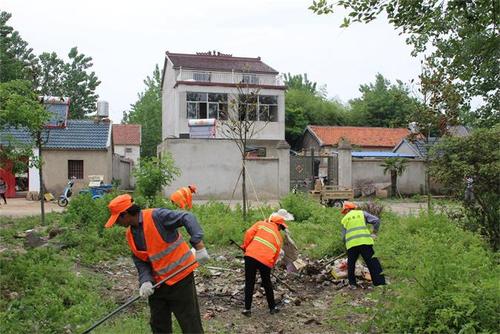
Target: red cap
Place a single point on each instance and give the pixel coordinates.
(118, 205)
(348, 206)
(277, 219)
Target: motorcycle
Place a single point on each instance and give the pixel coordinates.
(64, 198)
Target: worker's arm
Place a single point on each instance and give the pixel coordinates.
(249, 234)
(343, 234)
(144, 270)
(171, 220)
(373, 220)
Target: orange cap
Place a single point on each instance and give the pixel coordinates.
(192, 187)
(117, 206)
(277, 219)
(348, 206)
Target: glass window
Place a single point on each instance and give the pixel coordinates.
(192, 110)
(200, 76)
(217, 97)
(267, 99)
(213, 110)
(223, 111)
(273, 113)
(193, 96)
(250, 79)
(75, 168)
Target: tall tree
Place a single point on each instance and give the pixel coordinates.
(460, 38)
(147, 112)
(19, 107)
(383, 105)
(476, 156)
(303, 108)
(16, 58)
(300, 82)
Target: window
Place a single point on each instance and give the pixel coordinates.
(206, 105)
(128, 149)
(250, 79)
(75, 168)
(264, 109)
(200, 76)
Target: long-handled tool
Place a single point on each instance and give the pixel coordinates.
(133, 299)
(276, 277)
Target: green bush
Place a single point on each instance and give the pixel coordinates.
(300, 205)
(49, 294)
(447, 282)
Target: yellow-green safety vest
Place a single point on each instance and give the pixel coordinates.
(357, 233)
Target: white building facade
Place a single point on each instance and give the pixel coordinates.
(204, 89)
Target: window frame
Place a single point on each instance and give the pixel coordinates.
(211, 100)
(76, 171)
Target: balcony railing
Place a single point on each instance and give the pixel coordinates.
(221, 77)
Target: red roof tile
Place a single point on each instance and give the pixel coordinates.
(219, 62)
(126, 134)
(360, 136)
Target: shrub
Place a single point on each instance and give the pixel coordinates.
(154, 173)
(447, 280)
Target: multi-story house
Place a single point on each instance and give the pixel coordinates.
(199, 93)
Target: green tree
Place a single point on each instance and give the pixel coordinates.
(147, 112)
(16, 58)
(152, 174)
(300, 82)
(20, 108)
(55, 77)
(477, 156)
(396, 167)
(459, 37)
(382, 105)
(303, 108)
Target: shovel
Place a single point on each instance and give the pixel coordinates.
(133, 299)
(272, 274)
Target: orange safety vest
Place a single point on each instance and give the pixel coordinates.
(263, 242)
(165, 257)
(182, 198)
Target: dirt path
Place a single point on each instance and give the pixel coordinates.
(20, 207)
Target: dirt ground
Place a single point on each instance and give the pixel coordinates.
(220, 288)
(20, 207)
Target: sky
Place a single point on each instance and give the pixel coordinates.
(126, 39)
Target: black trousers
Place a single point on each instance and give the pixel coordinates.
(373, 264)
(4, 197)
(180, 299)
(251, 266)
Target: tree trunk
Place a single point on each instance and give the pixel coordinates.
(42, 189)
(244, 189)
(394, 180)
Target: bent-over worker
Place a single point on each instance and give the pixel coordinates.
(359, 241)
(158, 251)
(262, 247)
(183, 197)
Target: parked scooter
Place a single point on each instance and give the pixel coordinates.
(64, 198)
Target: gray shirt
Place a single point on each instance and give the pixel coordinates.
(167, 222)
(369, 219)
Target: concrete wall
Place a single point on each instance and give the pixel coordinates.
(214, 166)
(122, 170)
(55, 168)
(412, 181)
(134, 155)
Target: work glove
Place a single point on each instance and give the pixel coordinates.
(201, 255)
(282, 255)
(146, 289)
(374, 236)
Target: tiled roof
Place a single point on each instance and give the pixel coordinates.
(359, 136)
(126, 134)
(219, 63)
(78, 134)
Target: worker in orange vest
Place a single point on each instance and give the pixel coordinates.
(262, 247)
(159, 251)
(183, 197)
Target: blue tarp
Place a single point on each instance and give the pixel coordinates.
(376, 154)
